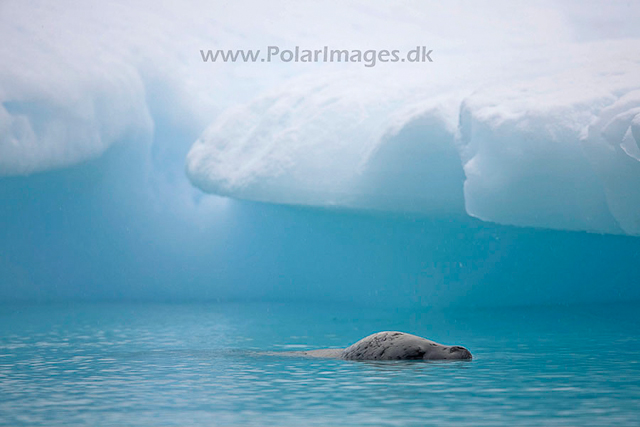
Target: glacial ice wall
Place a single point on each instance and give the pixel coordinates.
(63, 100)
(333, 142)
(101, 102)
(558, 149)
(527, 116)
(78, 78)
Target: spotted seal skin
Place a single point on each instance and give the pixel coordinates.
(391, 345)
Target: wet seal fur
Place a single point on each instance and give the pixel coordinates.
(391, 345)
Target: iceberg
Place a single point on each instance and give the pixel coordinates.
(62, 101)
(556, 150)
(527, 115)
(333, 143)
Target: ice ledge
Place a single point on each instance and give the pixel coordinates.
(557, 152)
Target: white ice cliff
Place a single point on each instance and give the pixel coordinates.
(557, 151)
(333, 143)
(529, 115)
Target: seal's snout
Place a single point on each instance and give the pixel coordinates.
(460, 352)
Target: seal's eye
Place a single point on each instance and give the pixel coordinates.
(456, 348)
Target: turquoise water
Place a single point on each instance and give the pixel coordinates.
(203, 364)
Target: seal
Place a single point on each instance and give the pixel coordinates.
(392, 345)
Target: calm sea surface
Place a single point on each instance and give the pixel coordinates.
(203, 364)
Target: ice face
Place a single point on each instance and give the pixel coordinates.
(551, 152)
(527, 116)
(333, 144)
(556, 151)
(64, 97)
(54, 117)
(515, 92)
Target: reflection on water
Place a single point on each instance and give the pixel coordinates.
(196, 364)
